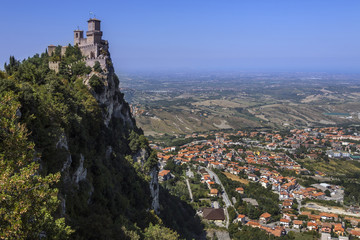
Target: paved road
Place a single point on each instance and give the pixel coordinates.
(225, 197)
(190, 192)
(227, 218)
(217, 180)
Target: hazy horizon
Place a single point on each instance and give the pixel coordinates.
(163, 36)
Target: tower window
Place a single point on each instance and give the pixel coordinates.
(77, 35)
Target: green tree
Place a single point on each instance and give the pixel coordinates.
(327, 193)
(2, 75)
(80, 68)
(96, 84)
(12, 67)
(232, 214)
(72, 54)
(27, 201)
(157, 232)
(97, 67)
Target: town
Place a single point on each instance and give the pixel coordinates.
(267, 180)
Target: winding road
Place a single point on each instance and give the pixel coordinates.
(225, 196)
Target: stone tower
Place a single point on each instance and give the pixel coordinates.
(94, 33)
(78, 36)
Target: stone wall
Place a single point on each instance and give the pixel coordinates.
(91, 61)
(90, 50)
(54, 66)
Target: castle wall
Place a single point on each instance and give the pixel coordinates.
(90, 50)
(63, 50)
(83, 41)
(91, 62)
(54, 66)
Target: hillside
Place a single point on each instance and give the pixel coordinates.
(82, 128)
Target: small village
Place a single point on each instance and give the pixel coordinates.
(238, 169)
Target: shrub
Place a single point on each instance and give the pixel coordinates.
(97, 67)
(96, 84)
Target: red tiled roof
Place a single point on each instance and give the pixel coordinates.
(265, 215)
(164, 172)
(298, 222)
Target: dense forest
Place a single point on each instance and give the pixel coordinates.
(66, 172)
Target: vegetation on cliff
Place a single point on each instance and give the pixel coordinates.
(27, 200)
(103, 195)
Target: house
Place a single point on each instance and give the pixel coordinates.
(241, 218)
(240, 190)
(319, 195)
(314, 218)
(328, 216)
(253, 224)
(326, 227)
(287, 204)
(164, 175)
(264, 218)
(212, 214)
(284, 195)
(355, 233)
(279, 231)
(297, 224)
(253, 177)
(289, 216)
(285, 222)
(214, 192)
(264, 182)
(311, 226)
(339, 230)
(206, 177)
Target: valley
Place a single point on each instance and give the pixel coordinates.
(187, 103)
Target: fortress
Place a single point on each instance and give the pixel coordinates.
(93, 48)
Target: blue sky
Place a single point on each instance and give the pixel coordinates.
(166, 35)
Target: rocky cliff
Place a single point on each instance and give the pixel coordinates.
(83, 128)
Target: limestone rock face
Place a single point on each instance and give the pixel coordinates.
(115, 107)
(80, 173)
(154, 189)
(141, 156)
(62, 144)
(69, 178)
(111, 99)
